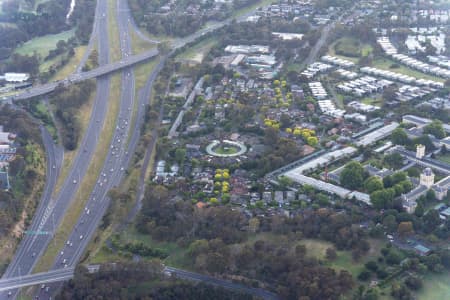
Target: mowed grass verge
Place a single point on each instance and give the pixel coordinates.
(198, 51)
(87, 183)
(139, 45)
(71, 65)
(42, 45)
(113, 32)
(444, 157)
(141, 74)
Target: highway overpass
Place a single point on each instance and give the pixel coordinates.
(67, 274)
(78, 77)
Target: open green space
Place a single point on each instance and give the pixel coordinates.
(42, 45)
(349, 48)
(444, 157)
(71, 65)
(197, 52)
(372, 101)
(226, 149)
(139, 45)
(435, 286)
(390, 65)
(113, 31)
(249, 8)
(176, 258)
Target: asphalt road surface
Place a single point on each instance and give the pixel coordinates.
(113, 170)
(117, 159)
(46, 220)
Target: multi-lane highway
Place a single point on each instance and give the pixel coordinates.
(46, 220)
(126, 62)
(49, 217)
(116, 162)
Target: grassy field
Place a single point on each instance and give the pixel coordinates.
(42, 45)
(444, 158)
(386, 64)
(372, 101)
(226, 149)
(87, 183)
(113, 32)
(198, 51)
(139, 45)
(248, 9)
(68, 68)
(351, 46)
(176, 256)
(436, 286)
(71, 66)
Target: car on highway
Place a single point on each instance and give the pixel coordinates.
(74, 181)
(81, 237)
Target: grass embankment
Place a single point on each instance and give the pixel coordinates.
(120, 210)
(71, 65)
(113, 32)
(444, 157)
(42, 45)
(248, 9)
(141, 74)
(197, 52)
(87, 183)
(137, 44)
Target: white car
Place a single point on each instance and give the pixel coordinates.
(81, 237)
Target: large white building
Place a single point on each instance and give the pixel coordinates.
(15, 77)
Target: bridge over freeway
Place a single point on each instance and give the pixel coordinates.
(65, 274)
(77, 77)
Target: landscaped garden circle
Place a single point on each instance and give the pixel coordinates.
(225, 148)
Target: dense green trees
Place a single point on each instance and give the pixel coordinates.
(435, 128)
(393, 160)
(67, 101)
(49, 18)
(23, 176)
(133, 281)
(353, 175)
(373, 184)
(399, 137)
